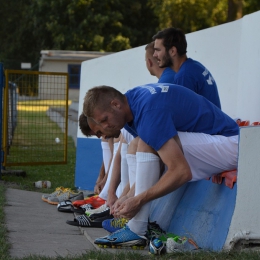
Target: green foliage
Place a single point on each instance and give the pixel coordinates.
(17, 43)
(190, 15)
(251, 6)
(81, 25)
(29, 26)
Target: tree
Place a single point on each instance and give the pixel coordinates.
(235, 10)
(251, 6)
(29, 26)
(17, 43)
(190, 15)
(80, 25)
(93, 25)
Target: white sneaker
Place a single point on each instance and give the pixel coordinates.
(98, 210)
(173, 246)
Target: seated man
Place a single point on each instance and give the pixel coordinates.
(191, 135)
(170, 51)
(107, 151)
(165, 74)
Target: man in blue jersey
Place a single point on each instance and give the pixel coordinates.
(170, 50)
(191, 135)
(165, 74)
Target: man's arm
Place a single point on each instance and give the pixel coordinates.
(178, 173)
(102, 177)
(98, 188)
(115, 177)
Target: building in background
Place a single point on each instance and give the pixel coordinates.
(67, 61)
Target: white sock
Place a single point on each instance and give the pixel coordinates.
(106, 154)
(147, 174)
(124, 166)
(124, 170)
(103, 194)
(119, 190)
(131, 162)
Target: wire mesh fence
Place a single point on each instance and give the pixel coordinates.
(33, 130)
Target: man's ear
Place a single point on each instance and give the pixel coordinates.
(173, 51)
(150, 62)
(115, 103)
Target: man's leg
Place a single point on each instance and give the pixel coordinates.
(147, 174)
(124, 168)
(107, 153)
(131, 160)
(104, 192)
(209, 154)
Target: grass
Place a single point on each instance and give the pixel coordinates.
(59, 175)
(63, 175)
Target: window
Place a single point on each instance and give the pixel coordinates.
(74, 75)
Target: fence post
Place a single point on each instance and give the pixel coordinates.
(1, 110)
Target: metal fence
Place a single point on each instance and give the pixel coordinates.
(31, 135)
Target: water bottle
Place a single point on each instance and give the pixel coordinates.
(42, 184)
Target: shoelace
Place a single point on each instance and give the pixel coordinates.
(59, 188)
(118, 222)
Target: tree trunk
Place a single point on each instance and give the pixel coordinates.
(235, 10)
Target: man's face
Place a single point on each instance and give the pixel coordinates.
(99, 131)
(163, 57)
(109, 122)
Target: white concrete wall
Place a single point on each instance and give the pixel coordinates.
(218, 49)
(245, 223)
(231, 52)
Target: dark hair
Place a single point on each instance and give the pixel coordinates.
(83, 125)
(173, 37)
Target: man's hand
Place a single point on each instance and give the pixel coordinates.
(97, 188)
(129, 208)
(111, 199)
(116, 205)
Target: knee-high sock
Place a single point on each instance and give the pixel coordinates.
(106, 152)
(103, 194)
(131, 162)
(147, 174)
(119, 190)
(124, 167)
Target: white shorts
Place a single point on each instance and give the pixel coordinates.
(209, 154)
(127, 136)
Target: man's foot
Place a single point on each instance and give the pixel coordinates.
(154, 230)
(112, 225)
(122, 238)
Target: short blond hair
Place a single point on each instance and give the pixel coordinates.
(150, 47)
(99, 98)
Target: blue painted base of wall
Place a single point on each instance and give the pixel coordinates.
(88, 162)
(200, 210)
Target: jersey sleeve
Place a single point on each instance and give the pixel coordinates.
(156, 128)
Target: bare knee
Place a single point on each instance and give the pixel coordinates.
(132, 148)
(145, 148)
